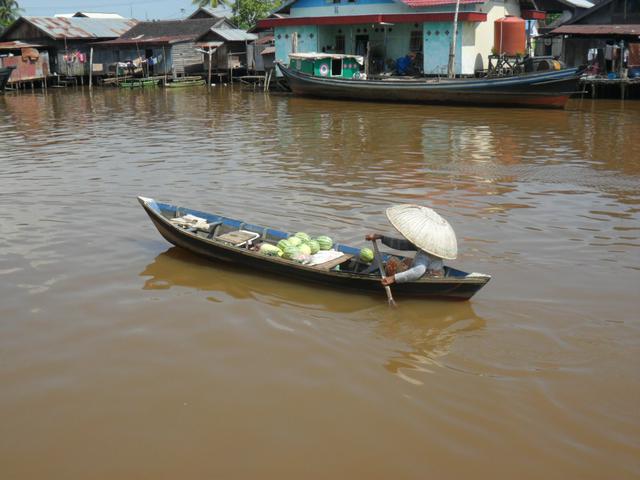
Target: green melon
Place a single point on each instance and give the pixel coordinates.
(305, 249)
(294, 241)
(283, 244)
(290, 252)
(302, 236)
(314, 246)
(325, 242)
(366, 255)
(270, 250)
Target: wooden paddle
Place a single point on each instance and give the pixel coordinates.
(387, 288)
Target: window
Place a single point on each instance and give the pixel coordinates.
(336, 67)
(415, 41)
(339, 48)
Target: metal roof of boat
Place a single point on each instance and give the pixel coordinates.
(318, 56)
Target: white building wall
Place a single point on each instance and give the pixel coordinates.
(477, 39)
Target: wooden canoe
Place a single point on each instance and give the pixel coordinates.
(346, 272)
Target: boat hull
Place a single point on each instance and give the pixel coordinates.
(453, 287)
(550, 89)
(5, 73)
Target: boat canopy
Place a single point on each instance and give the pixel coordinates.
(319, 56)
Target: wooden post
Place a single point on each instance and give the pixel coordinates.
(164, 65)
(294, 42)
(209, 76)
(91, 68)
(451, 70)
(366, 60)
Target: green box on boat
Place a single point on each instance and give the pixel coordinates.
(326, 64)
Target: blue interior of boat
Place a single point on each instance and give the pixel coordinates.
(171, 211)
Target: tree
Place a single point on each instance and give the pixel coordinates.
(9, 11)
(247, 12)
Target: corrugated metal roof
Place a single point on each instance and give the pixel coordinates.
(88, 15)
(234, 34)
(14, 45)
(597, 30)
(432, 3)
(220, 11)
(265, 39)
(268, 51)
(142, 39)
(81, 28)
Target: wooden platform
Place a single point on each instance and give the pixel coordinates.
(333, 263)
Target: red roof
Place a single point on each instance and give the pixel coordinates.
(432, 3)
(371, 19)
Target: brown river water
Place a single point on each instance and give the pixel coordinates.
(122, 357)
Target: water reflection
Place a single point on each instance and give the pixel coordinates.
(429, 333)
(176, 267)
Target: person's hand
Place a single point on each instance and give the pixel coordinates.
(386, 281)
(373, 236)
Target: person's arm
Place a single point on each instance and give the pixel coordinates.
(397, 243)
(410, 275)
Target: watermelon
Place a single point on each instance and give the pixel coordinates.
(314, 246)
(283, 244)
(290, 253)
(302, 236)
(366, 255)
(305, 249)
(294, 241)
(270, 250)
(325, 242)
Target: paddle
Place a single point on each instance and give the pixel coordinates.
(387, 288)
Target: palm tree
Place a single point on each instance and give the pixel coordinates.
(9, 11)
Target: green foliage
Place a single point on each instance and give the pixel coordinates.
(9, 11)
(246, 13)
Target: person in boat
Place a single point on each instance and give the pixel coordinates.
(425, 232)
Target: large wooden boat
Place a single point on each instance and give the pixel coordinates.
(225, 239)
(323, 75)
(5, 73)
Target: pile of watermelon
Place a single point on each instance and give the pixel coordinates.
(298, 247)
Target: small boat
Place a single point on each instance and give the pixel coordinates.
(5, 73)
(338, 76)
(139, 83)
(230, 240)
(185, 83)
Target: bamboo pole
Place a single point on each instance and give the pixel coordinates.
(91, 69)
(164, 65)
(209, 76)
(451, 69)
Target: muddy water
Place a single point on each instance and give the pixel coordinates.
(122, 357)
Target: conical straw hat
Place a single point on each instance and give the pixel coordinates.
(424, 228)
